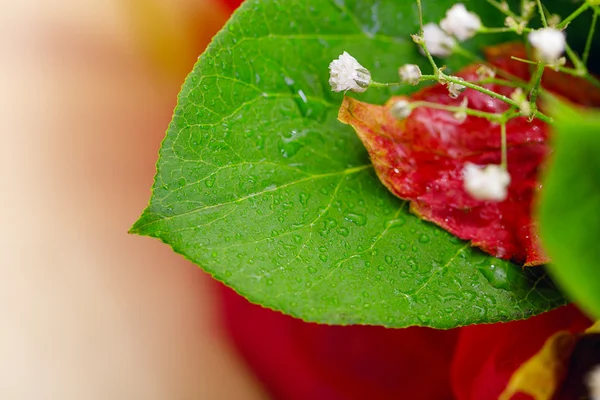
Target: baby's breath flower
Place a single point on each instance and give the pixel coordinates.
(527, 9)
(346, 73)
(438, 42)
(401, 109)
(485, 72)
(410, 73)
(519, 97)
(488, 183)
(554, 20)
(549, 44)
(461, 115)
(455, 89)
(558, 63)
(518, 27)
(461, 23)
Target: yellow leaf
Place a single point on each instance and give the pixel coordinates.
(542, 374)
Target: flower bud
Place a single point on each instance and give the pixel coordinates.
(401, 109)
(410, 73)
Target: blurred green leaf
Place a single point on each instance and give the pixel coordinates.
(260, 185)
(570, 205)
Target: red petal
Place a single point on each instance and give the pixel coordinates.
(421, 158)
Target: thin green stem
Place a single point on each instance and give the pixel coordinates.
(420, 7)
(590, 39)
(505, 11)
(504, 145)
(383, 85)
(586, 75)
(476, 58)
(523, 60)
(579, 65)
(501, 82)
(485, 29)
(542, 13)
(481, 89)
(454, 109)
(436, 70)
(535, 82)
(422, 44)
(574, 15)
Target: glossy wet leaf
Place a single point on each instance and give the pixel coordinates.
(260, 185)
(570, 204)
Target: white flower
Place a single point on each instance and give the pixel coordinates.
(346, 73)
(485, 72)
(488, 182)
(438, 42)
(549, 44)
(455, 89)
(527, 9)
(401, 109)
(521, 99)
(517, 27)
(461, 23)
(410, 73)
(461, 114)
(593, 382)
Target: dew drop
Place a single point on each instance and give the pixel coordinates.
(323, 257)
(304, 198)
(358, 219)
(424, 238)
(210, 181)
(312, 270)
(343, 231)
(395, 223)
(496, 274)
(389, 259)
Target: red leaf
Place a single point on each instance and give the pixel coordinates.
(422, 158)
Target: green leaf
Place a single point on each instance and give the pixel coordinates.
(570, 206)
(260, 185)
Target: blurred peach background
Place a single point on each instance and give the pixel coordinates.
(88, 311)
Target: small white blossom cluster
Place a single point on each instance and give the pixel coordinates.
(549, 44)
(487, 183)
(346, 73)
(459, 24)
(521, 99)
(482, 182)
(455, 89)
(438, 42)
